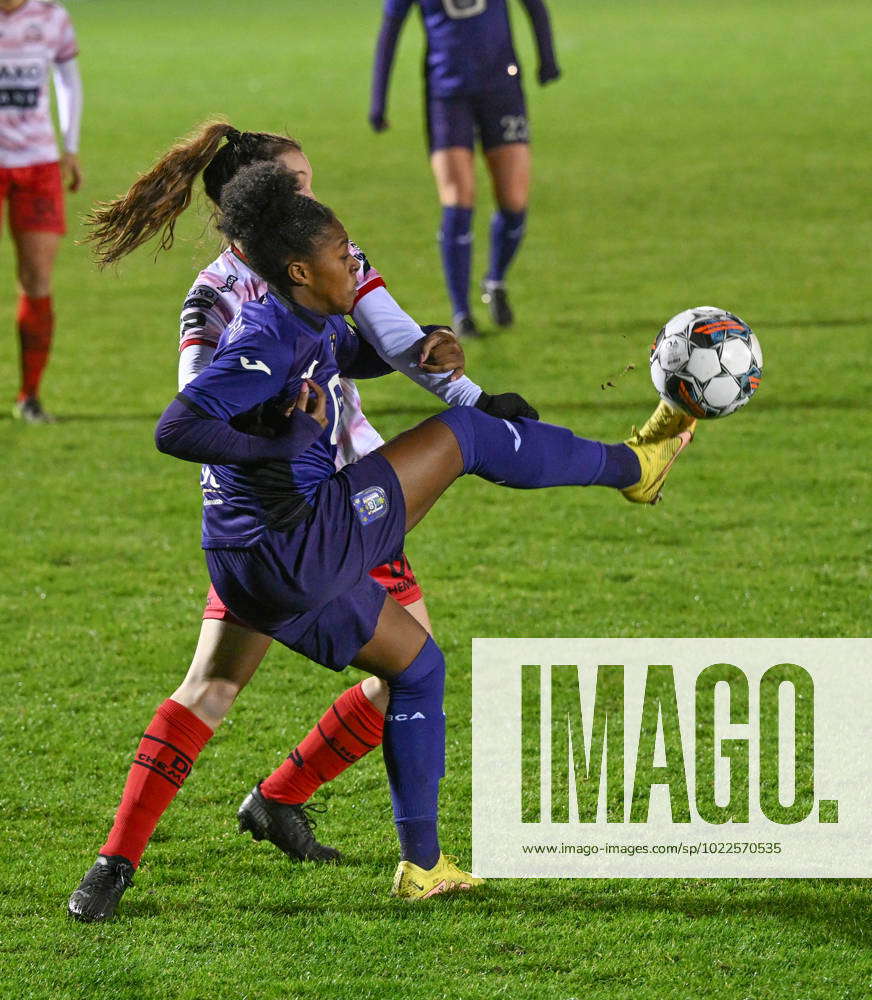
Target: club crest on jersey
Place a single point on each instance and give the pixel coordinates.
(370, 504)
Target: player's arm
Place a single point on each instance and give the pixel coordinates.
(204, 315)
(395, 13)
(68, 91)
(538, 14)
(399, 341)
(250, 371)
(357, 358)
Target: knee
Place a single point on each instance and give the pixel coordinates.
(210, 699)
(463, 422)
(426, 673)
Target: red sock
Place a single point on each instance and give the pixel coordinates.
(166, 754)
(35, 326)
(350, 728)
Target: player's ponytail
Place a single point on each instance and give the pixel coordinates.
(158, 198)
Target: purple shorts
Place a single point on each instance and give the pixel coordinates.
(498, 117)
(310, 588)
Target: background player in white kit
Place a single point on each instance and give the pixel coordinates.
(36, 39)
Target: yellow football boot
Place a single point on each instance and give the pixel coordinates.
(413, 883)
(665, 422)
(656, 458)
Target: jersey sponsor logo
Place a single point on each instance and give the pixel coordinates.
(20, 84)
(370, 504)
(22, 73)
(310, 370)
(228, 284)
(404, 717)
(255, 366)
(210, 487)
(201, 297)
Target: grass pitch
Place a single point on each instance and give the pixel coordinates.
(692, 153)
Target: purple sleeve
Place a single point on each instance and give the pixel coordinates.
(185, 431)
(392, 21)
(357, 358)
(538, 13)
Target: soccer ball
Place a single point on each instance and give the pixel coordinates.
(706, 362)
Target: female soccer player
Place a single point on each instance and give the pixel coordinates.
(291, 541)
(473, 87)
(229, 651)
(36, 37)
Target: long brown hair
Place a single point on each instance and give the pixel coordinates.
(159, 197)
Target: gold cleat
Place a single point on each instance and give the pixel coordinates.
(413, 883)
(656, 458)
(665, 422)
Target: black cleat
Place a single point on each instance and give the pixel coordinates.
(101, 889)
(496, 299)
(464, 326)
(30, 411)
(289, 827)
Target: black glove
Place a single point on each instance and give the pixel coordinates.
(506, 406)
(548, 72)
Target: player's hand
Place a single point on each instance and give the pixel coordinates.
(378, 122)
(506, 406)
(441, 351)
(549, 73)
(312, 401)
(71, 170)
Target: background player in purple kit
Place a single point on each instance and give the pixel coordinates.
(473, 88)
(291, 541)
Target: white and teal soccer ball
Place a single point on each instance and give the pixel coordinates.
(706, 362)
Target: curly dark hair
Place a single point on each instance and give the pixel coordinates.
(262, 210)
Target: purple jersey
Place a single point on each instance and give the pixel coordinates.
(469, 44)
(263, 356)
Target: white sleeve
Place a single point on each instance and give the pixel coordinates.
(397, 337)
(192, 360)
(68, 90)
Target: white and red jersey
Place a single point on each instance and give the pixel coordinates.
(34, 38)
(222, 288)
(227, 283)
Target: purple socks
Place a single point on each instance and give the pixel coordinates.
(414, 752)
(455, 244)
(526, 454)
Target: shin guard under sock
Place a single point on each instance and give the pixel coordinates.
(455, 245)
(506, 233)
(348, 730)
(166, 754)
(527, 454)
(414, 751)
(35, 328)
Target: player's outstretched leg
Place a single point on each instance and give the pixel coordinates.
(522, 454)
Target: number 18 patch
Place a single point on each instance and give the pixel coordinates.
(370, 504)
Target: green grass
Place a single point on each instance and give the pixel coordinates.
(694, 152)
